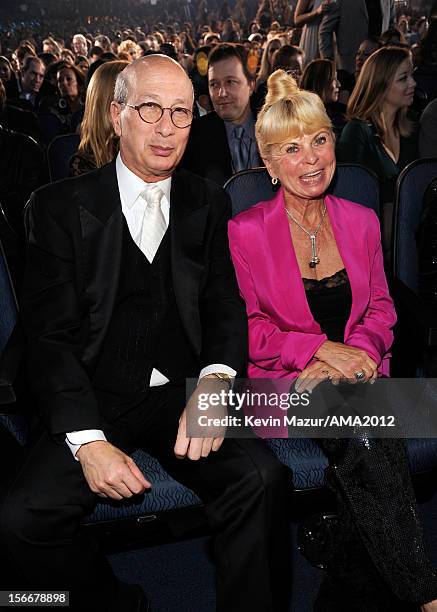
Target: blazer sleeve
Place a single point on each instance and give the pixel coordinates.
(51, 313)
(270, 347)
(373, 333)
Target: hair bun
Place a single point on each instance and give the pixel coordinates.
(281, 86)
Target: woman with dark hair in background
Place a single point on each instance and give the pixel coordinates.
(320, 76)
(379, 134)
(67, 104)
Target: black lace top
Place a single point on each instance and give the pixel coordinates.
(330, 301)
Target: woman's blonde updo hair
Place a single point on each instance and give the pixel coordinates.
(288, 112)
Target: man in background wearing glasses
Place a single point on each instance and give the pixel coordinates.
(129, 291)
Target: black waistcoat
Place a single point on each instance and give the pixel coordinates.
(145, 330)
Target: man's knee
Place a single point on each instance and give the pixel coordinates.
(264, 471)
(17, 522)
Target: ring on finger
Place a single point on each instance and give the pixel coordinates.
(360, 375)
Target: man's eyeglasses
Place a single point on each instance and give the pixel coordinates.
(151, 112)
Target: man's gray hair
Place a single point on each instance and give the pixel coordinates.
(121, 89)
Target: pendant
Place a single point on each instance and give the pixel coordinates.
(314, 259)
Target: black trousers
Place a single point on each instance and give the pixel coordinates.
(243, 486)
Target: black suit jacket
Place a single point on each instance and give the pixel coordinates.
(74, 262)
(207, 153)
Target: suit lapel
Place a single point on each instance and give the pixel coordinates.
(101, 221)
(188, 218)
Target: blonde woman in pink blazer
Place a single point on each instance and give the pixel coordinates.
(310, 269)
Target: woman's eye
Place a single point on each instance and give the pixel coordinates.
(291, 149)
(321, 140)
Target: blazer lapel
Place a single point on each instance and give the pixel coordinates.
(101, 222)
(351, 248)
(289, 283)
(188, 217)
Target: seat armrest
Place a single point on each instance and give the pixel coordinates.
(10, 362)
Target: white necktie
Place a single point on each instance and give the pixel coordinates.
(154, 226)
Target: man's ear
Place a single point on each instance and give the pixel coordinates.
(116, 117)
(252, 83)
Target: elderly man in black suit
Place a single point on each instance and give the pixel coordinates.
(223, 142)
(130, 290)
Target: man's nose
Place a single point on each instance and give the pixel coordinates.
(222, 91)
(165, 125)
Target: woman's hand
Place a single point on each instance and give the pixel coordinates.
(314, 374)
(349, 361)
(323, 8)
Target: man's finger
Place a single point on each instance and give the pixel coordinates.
(206, 446)
(217, 444)
(133, 483)
(195, 449)
(124, 489)
(181, 445)
(182, 442)
(138, 474)
(112, 493)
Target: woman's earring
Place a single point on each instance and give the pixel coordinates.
(275, 184)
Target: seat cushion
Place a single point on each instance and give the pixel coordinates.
(165, 494)
(422, 453)
(304, 457)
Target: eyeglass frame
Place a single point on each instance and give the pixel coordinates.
(163, 108)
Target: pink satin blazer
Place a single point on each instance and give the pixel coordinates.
(283, 335)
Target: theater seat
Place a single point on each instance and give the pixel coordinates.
(165, 494)
(351, 182)
(59, 152)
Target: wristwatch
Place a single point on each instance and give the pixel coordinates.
(223, 376)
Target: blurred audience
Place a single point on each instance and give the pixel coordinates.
(79, 44)
(25, 91)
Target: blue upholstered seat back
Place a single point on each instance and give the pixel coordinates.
(411, 187)
(8, 304)
(59, 152)
(351, 182)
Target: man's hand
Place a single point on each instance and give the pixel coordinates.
(211, 436)
(194, 448)
(109, 472)
(314, 374)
